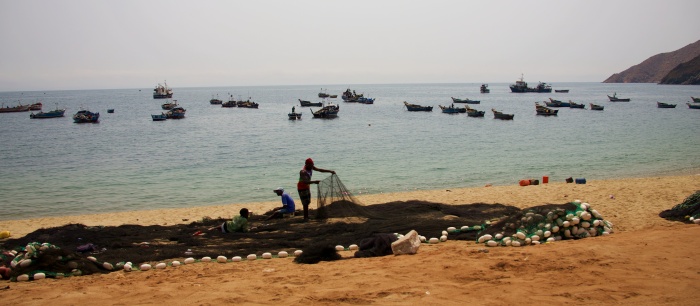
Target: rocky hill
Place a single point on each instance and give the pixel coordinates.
(655, 68)
(687, 73)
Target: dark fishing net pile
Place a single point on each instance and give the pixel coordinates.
(341, 220)
(688, 211)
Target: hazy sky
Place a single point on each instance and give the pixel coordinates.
(92, 44)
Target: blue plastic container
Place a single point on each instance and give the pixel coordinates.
(580, 181)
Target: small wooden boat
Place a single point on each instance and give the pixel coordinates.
(452, 109)
(169, 105)
(57, 113)
(333, 96)
(693, 106)
(175, 113)
(614, 98)
(576, 105)
(327, 112)
(323, 94)
(597, 107)
(417, 108)
(364, 100)
(36, 106)
(14, 109)
(468, 101)
(474, 113)
(85, 116)
(557, 103)
(501, 115)
(485, 88)
(110, 110)
(665, 105)
(247, 104)
(545, 111)
(561, 90)
(294, 116)
(695, 99)
(215, 101)
(161, 117)
(309, 103)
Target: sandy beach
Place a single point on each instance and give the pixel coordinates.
(647, 261)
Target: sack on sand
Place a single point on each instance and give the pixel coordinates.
(407, 244)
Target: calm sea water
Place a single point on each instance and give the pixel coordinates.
(220, 155)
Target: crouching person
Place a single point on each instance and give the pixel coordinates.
(237, 224)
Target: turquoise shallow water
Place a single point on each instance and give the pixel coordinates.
(219, 156)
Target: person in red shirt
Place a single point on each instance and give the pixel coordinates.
(304, 184)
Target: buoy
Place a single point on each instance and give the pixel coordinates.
(464, 228)
(145, 267)
(252, 257)
(696, 221)
(22, 278)
(524, 183)
(267, 255)
(451, 229)
(25, 262)
(551, 239)
(127, 268)
(520, 235)
(476, 227)
(206, 259)
(189, 260)
(433, 240)
(566, 224)
(236, 258)
(339, 248)
(221, 259)
(535, 242)
(535, 238)
(283, 254)
(443, 238)
(108, 266)
(547, 234)
(5, 234)
(491, 243)
(161, 265)
(444, 233)
(499, 236)
(92, 258)
(39, 276)
(422, 238)
(353, 247)
(298, 252)
(175, 263)
(515, 243)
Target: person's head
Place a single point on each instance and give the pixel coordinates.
(279, 191)
(244, 213)
(309, 163)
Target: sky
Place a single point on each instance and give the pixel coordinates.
(96, 44)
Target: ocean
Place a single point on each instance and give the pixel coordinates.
(216, 155)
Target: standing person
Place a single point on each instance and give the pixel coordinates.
(287, 205)
(304, 184)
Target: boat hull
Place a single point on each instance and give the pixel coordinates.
(52, 114)
(693, 106)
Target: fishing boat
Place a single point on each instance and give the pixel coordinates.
(614, 98)
(327, 112)
(695, 99)
(14, 109)
(57, 113)
(473, 112)
(576, 105)
(545, 111)
(521, 86)
(161, 117)
(597, 107)
(175, 113)
(364, 100)
(484, 88)
(417, 108)
(501, 115)
(309, 103)
(452, 109)
(86, 116)
(162, 91)
(665, 105)
(693, 106)
(561, 90)
(215, 101)
(169, 105)
(247, 104)
(351, 96)
(468, 101)
(323, 94)
(230, 103)
(36, 106)
(556, 103)
(110, 111)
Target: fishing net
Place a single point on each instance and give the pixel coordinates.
(546, 223)
(336, 201)
(688, 211)
(44, 260)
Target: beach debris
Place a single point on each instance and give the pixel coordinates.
(408, 244)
